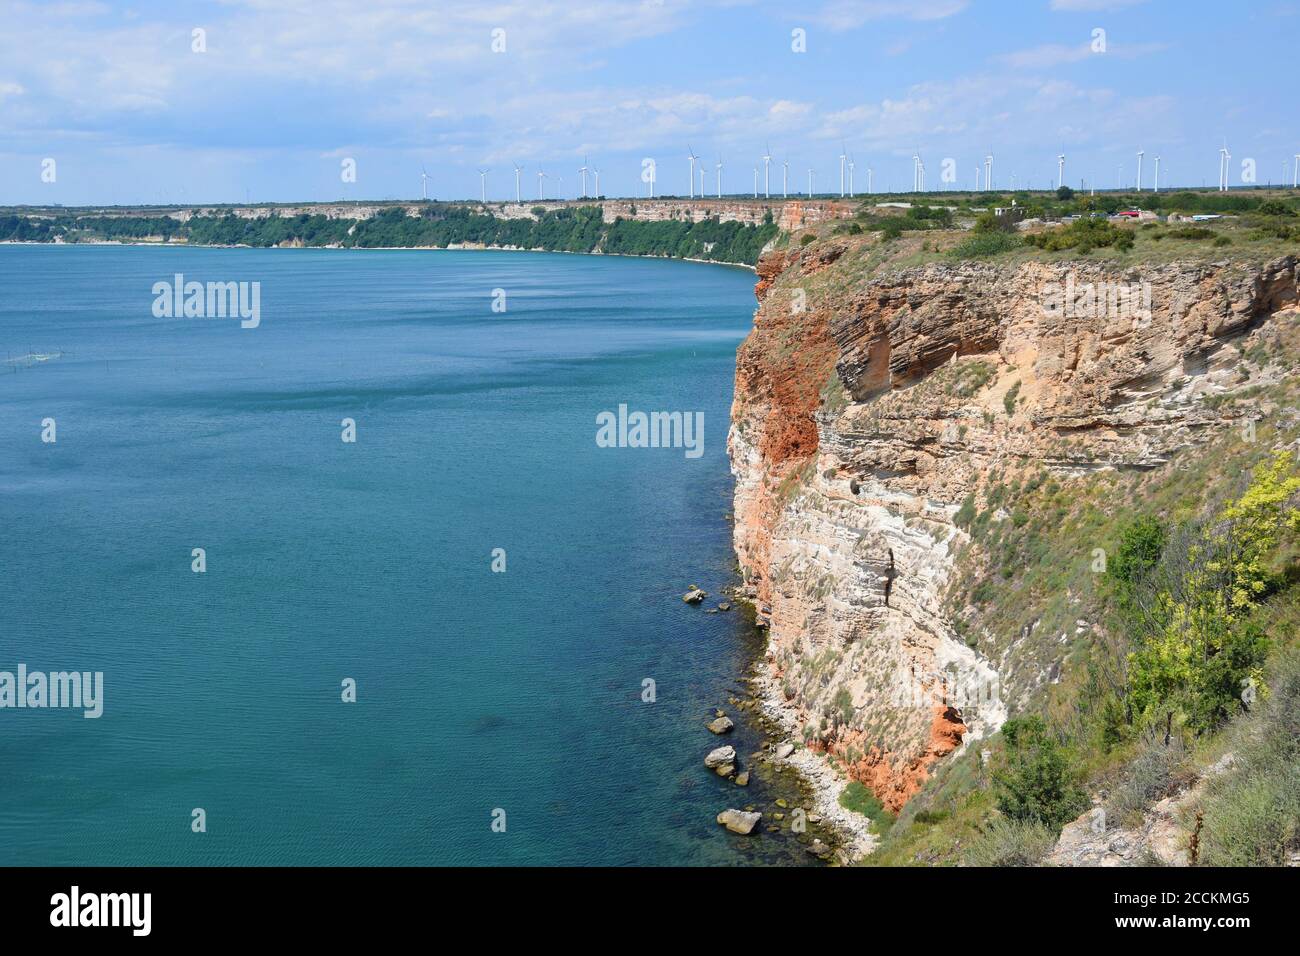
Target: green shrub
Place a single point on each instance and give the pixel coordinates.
(983, 244)
(1034, 781)
(1155, 773)
(1009, 399)
(859, 799)
(966, 513)
(1275, 207)
(1084, 235)
(1251, 813)
(1011, 843)
(1197, 644)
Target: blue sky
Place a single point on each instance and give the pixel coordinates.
(286, 91)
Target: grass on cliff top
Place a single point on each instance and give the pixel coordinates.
(1248, 237)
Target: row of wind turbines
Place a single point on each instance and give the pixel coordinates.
(847, 165)
(983, 176)
(541, 181)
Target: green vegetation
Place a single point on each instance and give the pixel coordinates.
(1011, 843)
(1198, 648)
(858, 798)
(1083, 235)
(1034, 782)
(1213, 547)
(980, 245)
(437, 225)
(1009, 399)
(1252, 812)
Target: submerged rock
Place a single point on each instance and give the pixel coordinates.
(738, 821)
(820, 850)
(742, 779)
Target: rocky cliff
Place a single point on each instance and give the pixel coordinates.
(874, 397)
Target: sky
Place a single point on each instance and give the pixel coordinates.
(279, 100)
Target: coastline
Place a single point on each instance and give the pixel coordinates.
(451, 248)
(823, 781)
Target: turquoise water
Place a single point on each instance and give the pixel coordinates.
(372, 560)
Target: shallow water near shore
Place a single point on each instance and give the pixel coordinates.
(370, 560)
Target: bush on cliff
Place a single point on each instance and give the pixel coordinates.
(1252, 812)
(1011, 843)
(1034, 782)
(1199, 648)
(979, 245)
(1083, 235)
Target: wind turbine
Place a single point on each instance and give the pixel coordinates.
(541, 175)
(424, 183)
(596, 172)
(869, 174)
(518, 169)
(1141, 153)
(583, 170)
(844, 156)
(767, 161)
(988, 170)
(916, 171)
(719, 173)
(1224, 158)
(691, 184)
(785, 176)
(755, 182)
(850, 175)
(811, 174)
(1295, 172)
(1060, 172)
(1157, 189)
(701, 180)
(559, 188)
(482, 185)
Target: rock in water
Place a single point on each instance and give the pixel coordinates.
(820, 850)
(738, 821)
(721, 725)
(742, 779)
(720, 757)
(694, 596)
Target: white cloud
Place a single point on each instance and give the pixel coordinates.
(1090, 6)
(851, 14)
(1051, 55)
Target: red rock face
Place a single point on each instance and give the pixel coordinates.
(780, 369)
(894, 781)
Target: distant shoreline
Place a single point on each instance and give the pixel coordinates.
(452, 248)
